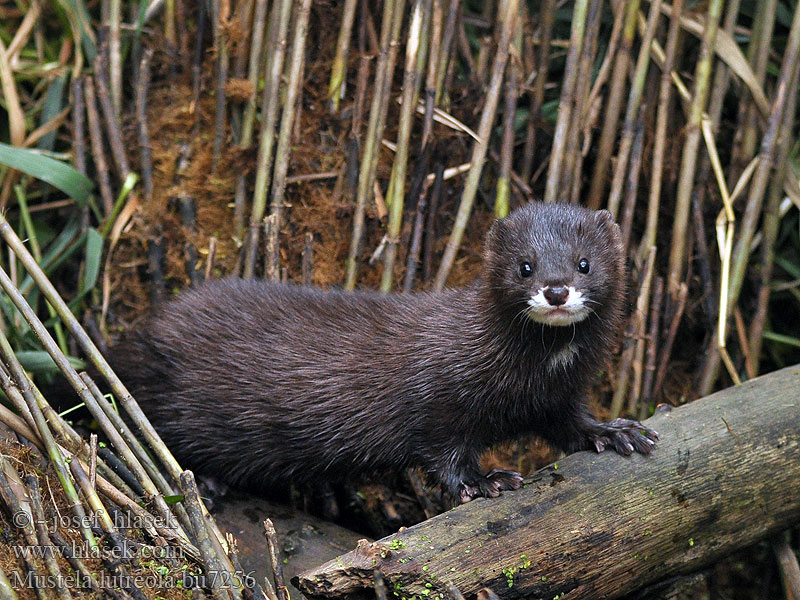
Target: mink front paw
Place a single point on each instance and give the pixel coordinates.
(490, 485)
(624, 436)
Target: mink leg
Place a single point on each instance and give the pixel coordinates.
(584, 432)
(489, 485)
(466, 483)
(623, 435)
(496, 481)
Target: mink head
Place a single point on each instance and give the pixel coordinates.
(556, 263)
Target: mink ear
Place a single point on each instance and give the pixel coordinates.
(497, 232)
(604, 215)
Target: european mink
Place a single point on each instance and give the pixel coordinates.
(256, 382)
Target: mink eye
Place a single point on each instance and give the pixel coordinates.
(525, 269)
(583, 266)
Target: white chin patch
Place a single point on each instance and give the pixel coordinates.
(572, 311)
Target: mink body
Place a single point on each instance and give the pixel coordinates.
(257, 383)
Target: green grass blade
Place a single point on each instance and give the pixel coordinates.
(782, 339)
(91, 269)
(51, 171)
(53, 104)
(39, 361)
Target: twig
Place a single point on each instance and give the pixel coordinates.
(274, 555)
(24, 521)
(758, 51)
(78, 126)
(787, 563)
(112, 430)
(272, 269)
(632, 183)
(78, 565)
(249, 113)
(197, 59)
(430, 224)
(141, 120)
(44, 539)
(253, 592)
(764, 170)
(431, 75)
(156, 257)
(308, 258)
(646, 397)
(379, 585)
(419, 491)
(91, 351)
(416, 191)
(501, 203)
(446, 49)
(704, 263)
(212, 254)
(40, 425)
(188, 212)
(202, 536)
(114, 59)
(98, 152)
(312, 177)
(634, 333)
(111, 118)
(455, 594)
(220, 10)
(770, 228)
(666, 349)
(93, 459)
(464, 48)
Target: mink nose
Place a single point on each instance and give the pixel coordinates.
(557, 295)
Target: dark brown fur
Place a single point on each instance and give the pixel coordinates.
(257, 382)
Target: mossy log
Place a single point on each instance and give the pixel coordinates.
(725, 473)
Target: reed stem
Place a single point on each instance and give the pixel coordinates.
(702, 78)
(395, 201)
(481, 146)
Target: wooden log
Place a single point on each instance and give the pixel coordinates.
(725, 474)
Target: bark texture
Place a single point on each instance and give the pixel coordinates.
(725, 473)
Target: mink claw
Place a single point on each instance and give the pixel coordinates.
(467, 493)
(490, 485)
(504, 479)
(625, 436)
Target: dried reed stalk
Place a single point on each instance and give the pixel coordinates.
(553, 191)
(390, 32)
(702, 79)
(336, 86)
(279, 22)
(395, 198)
(507, 25)
(613, 105)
